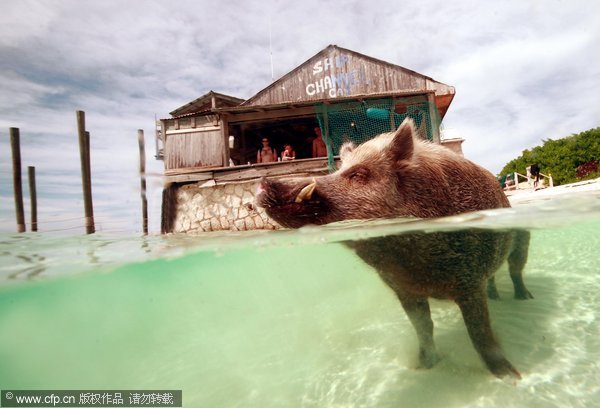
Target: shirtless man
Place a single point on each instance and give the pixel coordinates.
(319, 149)
(267, 154)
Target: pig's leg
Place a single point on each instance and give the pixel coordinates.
(417, 309)
(473, 305)
(492, 291)
(516, 263)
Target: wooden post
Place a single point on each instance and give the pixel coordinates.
(225, 137)
(393, 116)
(88, 159)
(15, 146)
(327, 140)
(433, 118)
(143, 181)
(157, 131)
(33, 197)
(86, 178)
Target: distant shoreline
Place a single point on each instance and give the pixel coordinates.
(517, 197)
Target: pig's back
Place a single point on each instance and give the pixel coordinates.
(463, 186)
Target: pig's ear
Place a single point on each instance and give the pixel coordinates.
(401, 146)
(346, 149)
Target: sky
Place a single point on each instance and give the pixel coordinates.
(524, 71)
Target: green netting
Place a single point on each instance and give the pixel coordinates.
(359, 121)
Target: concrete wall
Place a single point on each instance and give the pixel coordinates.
(454, 144)
(227, 207)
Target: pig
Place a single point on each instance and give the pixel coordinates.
(399, 175)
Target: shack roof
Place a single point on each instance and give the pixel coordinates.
(336, 72)
(333, 74)
(205, 103)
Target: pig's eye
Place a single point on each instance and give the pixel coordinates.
(359, 175)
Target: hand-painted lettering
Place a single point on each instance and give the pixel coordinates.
(318, 68)
(339, 82)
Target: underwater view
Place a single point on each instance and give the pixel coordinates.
(295, 317)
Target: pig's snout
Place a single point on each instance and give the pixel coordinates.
(272, 193)
(293, 204)
(262, 186)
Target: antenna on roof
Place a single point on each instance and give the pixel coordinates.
(271, 50)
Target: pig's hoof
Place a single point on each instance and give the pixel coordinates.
(523, 295)
(503, 368)
(428, 359)
(492, 293)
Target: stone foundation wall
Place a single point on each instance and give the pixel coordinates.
(229, 207)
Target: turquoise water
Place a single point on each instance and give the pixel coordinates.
(294, 318)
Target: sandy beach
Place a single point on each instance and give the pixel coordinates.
(518, 197)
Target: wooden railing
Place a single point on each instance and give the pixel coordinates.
(236, 174)
(528, 182)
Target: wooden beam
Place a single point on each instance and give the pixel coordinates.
(192, 170)
(433, 118)
(393, 115)
(194, 130)
(187, 178)
(270, 114)
(327, 141)
(289, 169)
(225, 138)
(292, 168)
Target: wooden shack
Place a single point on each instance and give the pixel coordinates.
(210, 144)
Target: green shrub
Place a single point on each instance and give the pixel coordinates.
(560, 158)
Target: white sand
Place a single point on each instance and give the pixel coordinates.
(518, 197)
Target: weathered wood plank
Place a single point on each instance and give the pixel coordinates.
(253, 172)
(433, 118)
(225, 140)
(194, 149)
(187, 178)
(271, 114)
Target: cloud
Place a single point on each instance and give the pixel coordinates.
(528, 85)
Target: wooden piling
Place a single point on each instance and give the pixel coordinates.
(88, 159)
(143, 181)
(86, 179)
(33, 197)
(15, 146)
